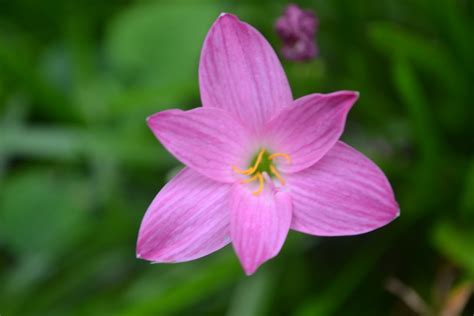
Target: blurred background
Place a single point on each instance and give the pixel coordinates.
(79, 167)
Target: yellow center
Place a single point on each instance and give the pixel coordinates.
(264, 162)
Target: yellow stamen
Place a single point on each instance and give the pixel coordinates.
(286, 156)
(254, 174)
(277, 174)
(260, 185)
(255, 177)
(255, 166)
(238, 170)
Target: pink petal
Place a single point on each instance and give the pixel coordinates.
(210, 141)
(240, 73)
(259, 225)
(343, 194)
(309, 128)
(188, 219)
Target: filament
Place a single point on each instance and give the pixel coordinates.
(260, 184)
(286, 156)
(277, 174)
(255, 177)
(255, 166)
(254, 174)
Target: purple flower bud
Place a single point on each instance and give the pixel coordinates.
(297, 28)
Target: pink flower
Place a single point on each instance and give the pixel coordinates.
(297, 29)
(257, 162)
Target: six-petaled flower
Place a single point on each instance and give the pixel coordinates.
(257, 162)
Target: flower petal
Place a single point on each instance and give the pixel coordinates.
(240, 73)
(259, 225)
(188, 219)
(343, 194)
(210, 141)
(309, 128)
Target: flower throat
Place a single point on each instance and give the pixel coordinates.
(262, 163)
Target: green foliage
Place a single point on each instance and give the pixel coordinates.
(78, 165)
(43, 213)
(457, 244)
(142, 45)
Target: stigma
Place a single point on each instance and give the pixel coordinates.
(263, 163)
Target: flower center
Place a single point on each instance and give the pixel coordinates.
(262, 163)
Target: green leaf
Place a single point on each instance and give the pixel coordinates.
(217, 274)
(69, 144)
(15, 64)
(467, 201)
(42, 212)
(411, 92)
(455, 18)
(158, 44)
(345, 282)
(430, 56)
(55, 142)
(456, 244)
(252, 295)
